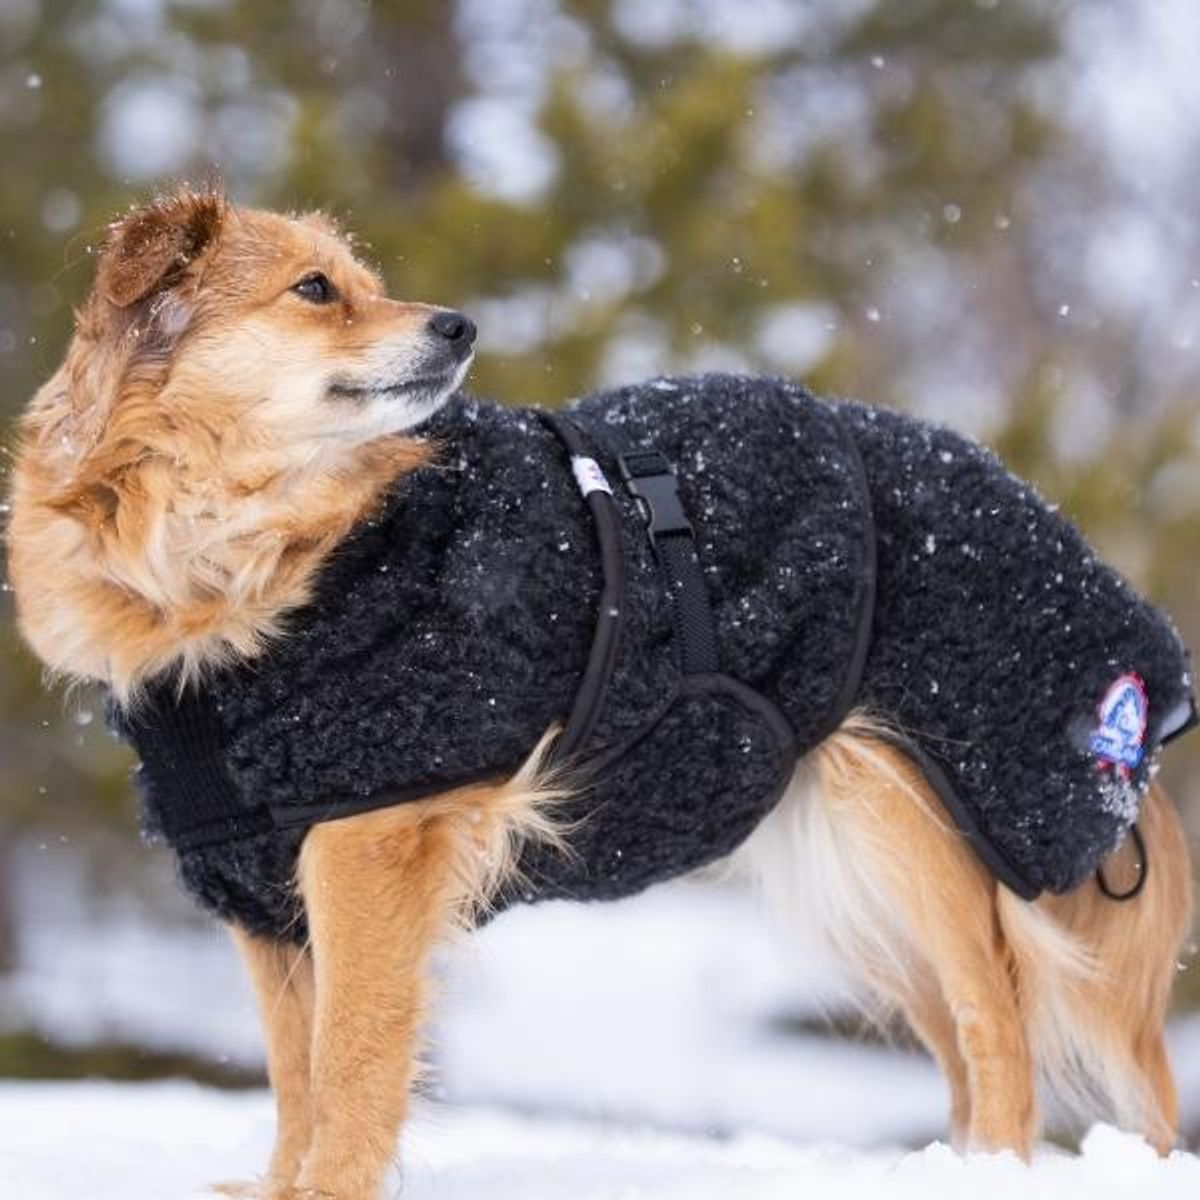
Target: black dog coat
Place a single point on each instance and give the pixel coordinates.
(850, 558)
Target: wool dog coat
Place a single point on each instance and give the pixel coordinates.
(849, 557)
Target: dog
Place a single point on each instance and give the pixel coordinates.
(237, 405)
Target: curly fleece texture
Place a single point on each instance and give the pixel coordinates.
(452, 630)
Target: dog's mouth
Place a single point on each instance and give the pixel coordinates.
(392, 400)
(421, 375)
(414, 387)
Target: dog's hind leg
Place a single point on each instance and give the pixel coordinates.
(992, 1040)
(282, 977)
(861, 846)
(932, 1021)
(945, 904)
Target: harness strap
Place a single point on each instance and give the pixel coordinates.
(649, 479)
(648, 476)
(593, 485)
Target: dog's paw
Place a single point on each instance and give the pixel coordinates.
(270, 1188)
(240, 1189)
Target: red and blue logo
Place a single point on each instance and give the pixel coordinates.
(1119, 738)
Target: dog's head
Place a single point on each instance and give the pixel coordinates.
(269, 321)
(230, 406)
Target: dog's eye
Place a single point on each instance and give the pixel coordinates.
(315, 288)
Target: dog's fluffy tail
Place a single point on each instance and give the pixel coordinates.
(1094, 979)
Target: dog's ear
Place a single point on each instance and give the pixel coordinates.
(150, 248)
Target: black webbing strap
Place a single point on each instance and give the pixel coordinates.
(650, 480)
(1185, 723)
(602, 657)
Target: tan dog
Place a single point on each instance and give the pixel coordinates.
(233, 402)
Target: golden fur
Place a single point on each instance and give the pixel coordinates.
(179, 480)
(211, 437)
(1074, 988)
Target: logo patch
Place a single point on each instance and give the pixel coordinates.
(1123, 715)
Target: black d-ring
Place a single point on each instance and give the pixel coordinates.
(1143, 870)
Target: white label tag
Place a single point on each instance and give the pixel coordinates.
(589, 476)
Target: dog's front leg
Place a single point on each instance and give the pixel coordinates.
(379, 890)
(282, 975)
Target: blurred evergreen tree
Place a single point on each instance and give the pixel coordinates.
(855, 203)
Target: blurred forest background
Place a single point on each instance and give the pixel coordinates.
(982, 211)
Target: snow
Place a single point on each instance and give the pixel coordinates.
(500, 149)
(150, 125)
(665, 1009)
(167, 1141)
(589, 1010)
(624, 1051)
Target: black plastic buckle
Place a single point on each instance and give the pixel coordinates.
(649, 477)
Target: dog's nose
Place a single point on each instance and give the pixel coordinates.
(455, 327)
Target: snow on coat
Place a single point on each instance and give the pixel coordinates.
(853, 557)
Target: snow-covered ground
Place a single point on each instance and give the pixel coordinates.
(167, 1141)
(665, 1008)
(628, 1051)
